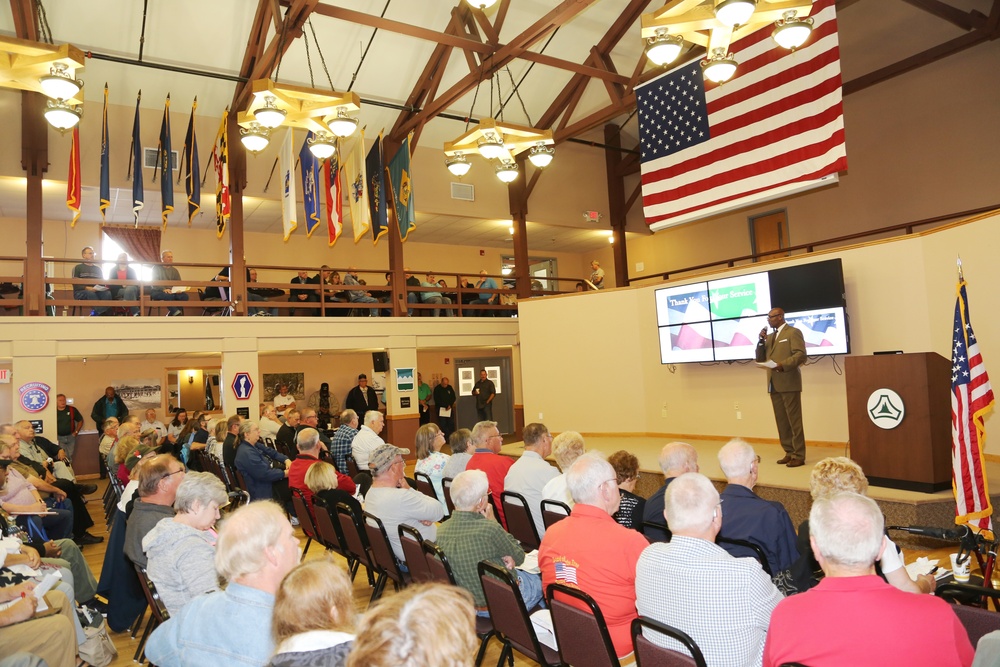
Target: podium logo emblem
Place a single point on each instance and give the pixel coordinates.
(885, 408)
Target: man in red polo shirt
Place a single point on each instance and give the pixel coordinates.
(593, 552)
(307, 442)
(487, 440)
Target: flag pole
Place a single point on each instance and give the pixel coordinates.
(961, 277)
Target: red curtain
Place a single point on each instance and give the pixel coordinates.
(141, 243)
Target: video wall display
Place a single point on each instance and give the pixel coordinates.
(720, 320)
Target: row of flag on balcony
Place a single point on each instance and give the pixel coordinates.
(378, 194)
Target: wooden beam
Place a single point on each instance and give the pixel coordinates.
(615, 90)
(634, 196)
(559, 63)
(23, 13)
(597, 118)
(972, 20)
(361, 18)
(616, 200)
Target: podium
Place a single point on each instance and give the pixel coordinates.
(915, 454)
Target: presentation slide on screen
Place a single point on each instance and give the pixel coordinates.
(743, 296)
(680, 305)
(824, 330)
(686, 343)
(737, 339)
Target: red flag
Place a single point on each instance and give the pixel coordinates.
(334, 200)
(775, 128)
(971, 399)
(73, 189)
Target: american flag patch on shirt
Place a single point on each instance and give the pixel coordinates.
(565, 573)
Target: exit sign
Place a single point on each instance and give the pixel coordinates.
(4, 376)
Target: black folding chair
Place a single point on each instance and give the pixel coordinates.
(553, 511)
(648, 654)
(520, 523)
(425, 486)
(356, 541)
(582, 634)
(758, 552)
(510, 618)
(382, 555)
(412, 543)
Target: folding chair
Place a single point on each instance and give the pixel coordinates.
(511, 622)
(412, 543)
(553, 511)
(158, 611)
(758, 552)
(582, 634)
(648, 654)
(330, 534)
(446, 487)
(305, 518)
(355, 541)
(425, 486)
(382, 555)
(520, 524)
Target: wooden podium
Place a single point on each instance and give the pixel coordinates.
(916, 454)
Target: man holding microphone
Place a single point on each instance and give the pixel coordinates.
(781, 353)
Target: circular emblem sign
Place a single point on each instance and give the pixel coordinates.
(885, 408)
(34, 396)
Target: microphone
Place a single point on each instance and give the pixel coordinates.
(763, 333)
(957, 533)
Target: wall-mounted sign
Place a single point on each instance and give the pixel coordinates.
(4, 376)
(242, 386)
(34, 396)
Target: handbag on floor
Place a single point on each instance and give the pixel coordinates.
(98, 649)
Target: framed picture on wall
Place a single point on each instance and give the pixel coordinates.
(493, 373)
(140, 395)
(296, 385)
(466, 381)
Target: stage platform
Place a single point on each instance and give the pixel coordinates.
(790, 486)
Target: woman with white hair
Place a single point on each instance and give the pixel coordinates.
(181, 551)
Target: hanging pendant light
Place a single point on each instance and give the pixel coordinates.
(255, 138)
(59, 84)
(541, 155)
(720, 67)
(791, 32)
(270, 116)
(458, 165)
(62, 116)
(342, 125)
(507, 171)
(663, 49)
(322, 146)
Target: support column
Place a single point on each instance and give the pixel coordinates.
(401, 423)
(35, 361)
(616, 200)
(517, 193)
(398, 294)
(239, 355)
(35, 162)
(520, 419)
(237, 183)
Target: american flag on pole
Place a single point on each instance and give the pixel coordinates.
(774, 129)
(971, 399)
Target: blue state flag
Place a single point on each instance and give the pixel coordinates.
(402, 190)
(166, 167)
(192, 172)
(138, 197)
(105, 167)
(310, 186)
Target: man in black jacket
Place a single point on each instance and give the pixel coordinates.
(109, 405)
(362, 398)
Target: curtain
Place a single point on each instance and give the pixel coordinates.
(141, 243)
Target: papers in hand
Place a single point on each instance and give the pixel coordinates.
(100, 288)
(178, 289)
(924, 565)
(766, 364)
(444, 412)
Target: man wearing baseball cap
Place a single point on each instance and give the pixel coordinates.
(393, 501)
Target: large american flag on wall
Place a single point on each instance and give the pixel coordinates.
(775, 128)
(971, 399)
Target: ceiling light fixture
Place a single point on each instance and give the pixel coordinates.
(720, 67)
(791, 32)
(342, 125)
(61, 115)
(541, 155)
(458, 165)
(734, 12)
(507, 171)
(59, 84)
(491, 146)
(322, 145)
(268, 115)
(482, 4)
(255, 138)
(664, 48)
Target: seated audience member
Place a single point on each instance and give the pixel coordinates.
(323, 480)
(309, 449)
(151, 422)
(472, 535)
(180, 552)
(284, 401)
(92, 291)
(411, 296)
(325, 404)
(231, 441)
(286, 434)
(830, 476)
(530, 473)
(626, 467)
(176, 425)
(309, 419)
(269, 423)
(261, 294)
(255, 462)
(852, 617)
(487, 440)
(430, 461)
(567, 447)
(592, 551)
(421, 626)
(436, 298)
(724, 603)
(367, 440)
(676, 458)
(123, 449)
(304, 295)
(391, 499)
(459, 444)
(109, 433)
(358, 295)
(158, 479)
(217, 439)
(38, 449)
(51, 638)
(196, 439)
(166, 271)
(255, 550)
(313, 616)
(19, 495)
(342, 439)
(748, 516)
(122, 271)
(492, 298)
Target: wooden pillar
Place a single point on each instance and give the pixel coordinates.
(616, 200)
(398, 294)
(517, 192)
(237, 183)
(35, 162)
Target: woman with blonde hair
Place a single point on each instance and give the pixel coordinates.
(429, 625)
(125, 446)
(430, 460)
(833, 475)
(313, 621)
(567, 447)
